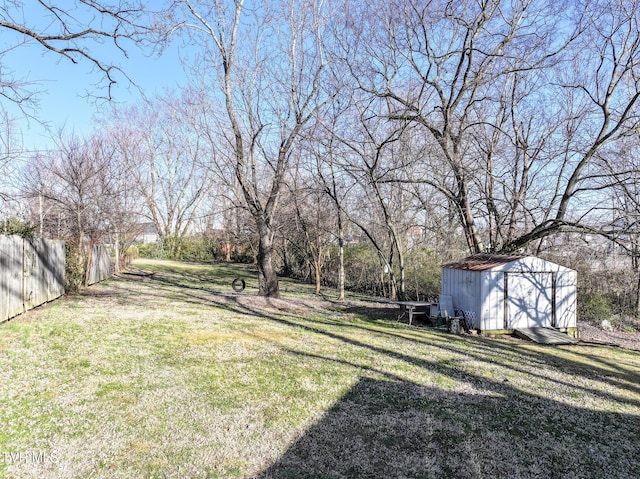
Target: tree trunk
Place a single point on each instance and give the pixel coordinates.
(341, 267)
(402, 293)
(393, 291)
(267, 277)
(635, 265)
(227, 254)
(318, 275)
(637, 305)
(117, 253)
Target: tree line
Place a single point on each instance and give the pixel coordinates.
(423, 129)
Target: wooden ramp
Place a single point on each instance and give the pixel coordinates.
(545, 336)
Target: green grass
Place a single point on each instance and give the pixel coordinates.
(177, 376)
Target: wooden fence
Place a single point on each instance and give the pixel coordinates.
(100, 265)
(31, 273)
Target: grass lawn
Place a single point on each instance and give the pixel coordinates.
(177, 376)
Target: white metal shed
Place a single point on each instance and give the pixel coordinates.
(500, 293)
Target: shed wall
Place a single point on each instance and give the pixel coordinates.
(492, 313)
(529, 300)
(566, 299)
(465, 288)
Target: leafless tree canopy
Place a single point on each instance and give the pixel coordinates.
(434, 126)
(75, 31)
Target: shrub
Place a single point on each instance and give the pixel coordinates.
(424, 274)
(200, 249)
(362, 268)
(16, 226)
(151, 251)
(196, 249)
(594, 309)
(363, 272)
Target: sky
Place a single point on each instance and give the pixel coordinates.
(63, 87)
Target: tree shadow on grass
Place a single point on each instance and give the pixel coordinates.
(375, 313)
(523, 360)
(393, 429)
(471, 427)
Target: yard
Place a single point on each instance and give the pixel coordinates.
(177, 376)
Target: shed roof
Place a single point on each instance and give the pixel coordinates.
(481, 262)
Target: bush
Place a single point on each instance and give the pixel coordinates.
(594, 309)
(424, 274)
(363, 272)
(199, 249)
(196, 249)
(151, 251)
(15, 226)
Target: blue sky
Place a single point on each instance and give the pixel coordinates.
(63, 87)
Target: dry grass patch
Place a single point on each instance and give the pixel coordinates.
(214, 337)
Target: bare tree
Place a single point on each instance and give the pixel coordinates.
(268, 62)
(161, 143)
(324, 152)
(75, 32)
(306, 226)
(120, 205)
(71, 178)
(600, 94)
(515, 147)
(437, 65)
(624, 212)
(95, 33)
(376, 151)
(8, 149)
(73, 184)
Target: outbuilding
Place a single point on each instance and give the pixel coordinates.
(502, 293)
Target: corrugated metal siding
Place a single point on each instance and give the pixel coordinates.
(566, 299)
(464, 286)
(530, 300)
(492, 316)
(482, 262)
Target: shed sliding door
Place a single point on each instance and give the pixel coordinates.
(529, 300)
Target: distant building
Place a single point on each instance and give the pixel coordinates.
(147, 233)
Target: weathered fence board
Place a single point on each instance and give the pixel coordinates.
(11, 294)
(31, 273)
(44, 271)
(100, 264)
